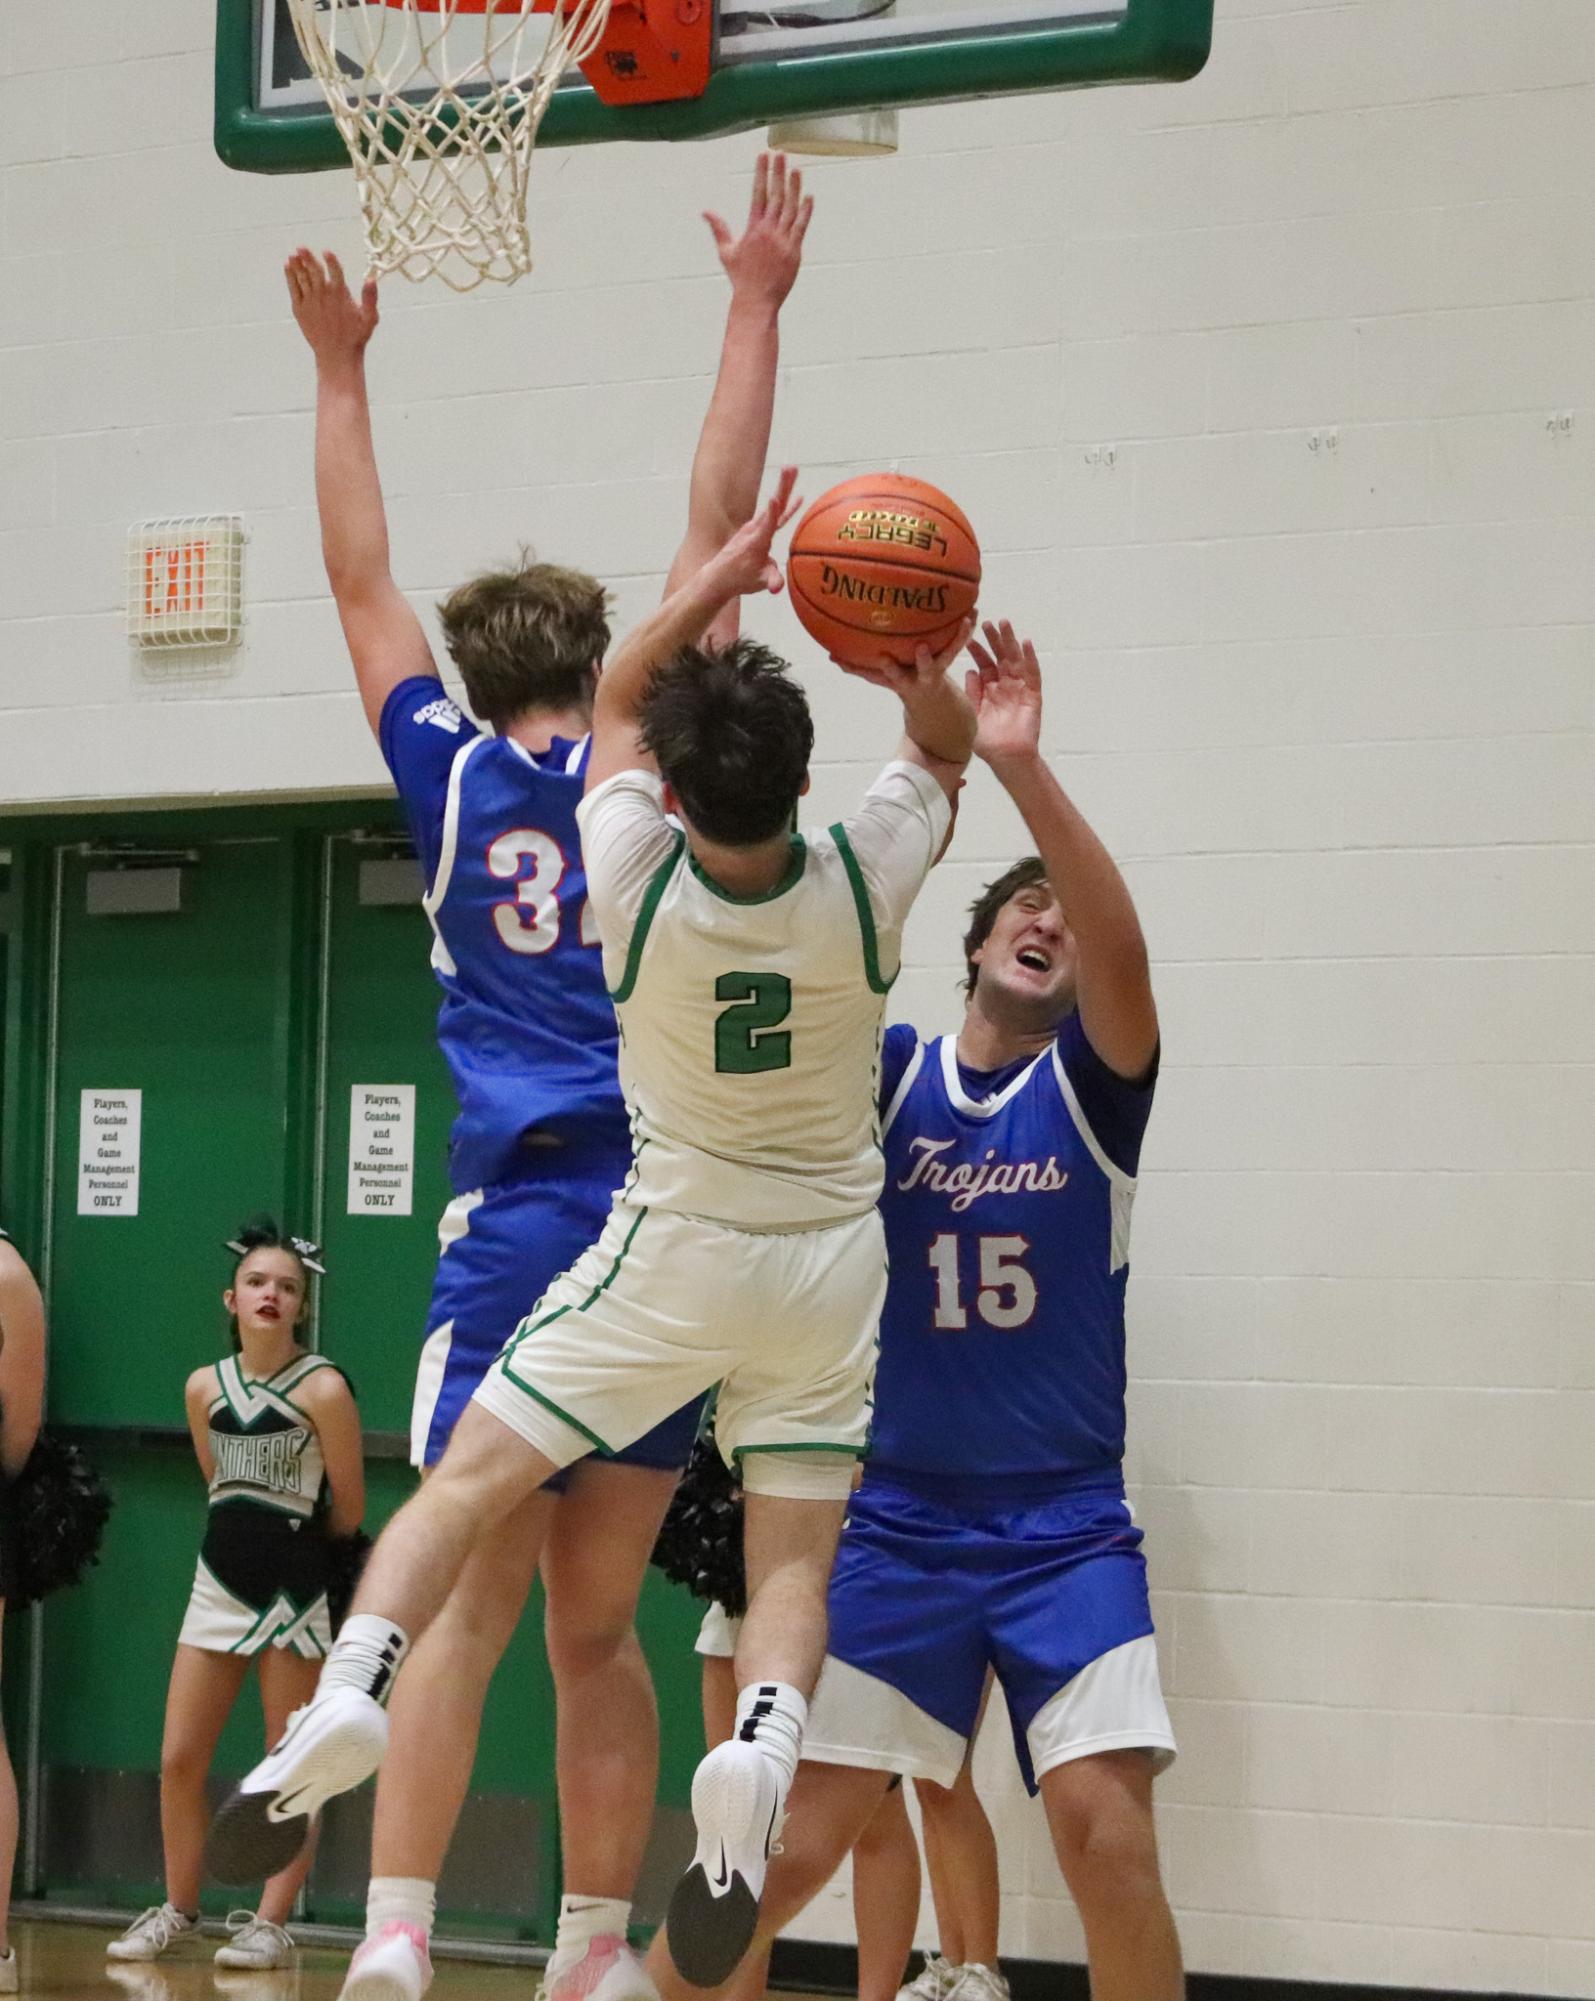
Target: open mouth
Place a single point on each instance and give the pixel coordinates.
(1034, 960)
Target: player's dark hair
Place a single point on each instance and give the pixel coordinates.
(983, 911)
(732, 733)
(527, 638)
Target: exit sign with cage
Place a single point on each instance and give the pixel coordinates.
(185, 580)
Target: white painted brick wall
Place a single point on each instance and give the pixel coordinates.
(1334, 707)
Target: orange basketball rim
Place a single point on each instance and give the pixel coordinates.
(653, 51)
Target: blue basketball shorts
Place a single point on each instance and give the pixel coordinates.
(928, 1596)
(500, 1249)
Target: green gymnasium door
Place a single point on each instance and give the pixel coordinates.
(177, 1078)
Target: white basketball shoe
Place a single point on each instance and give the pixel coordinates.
(329, 1747)
(738, 1802)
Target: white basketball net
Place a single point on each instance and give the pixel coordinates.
(439, 105)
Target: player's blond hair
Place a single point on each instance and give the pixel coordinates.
(527, 638)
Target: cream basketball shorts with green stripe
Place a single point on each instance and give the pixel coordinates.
(664, 1306)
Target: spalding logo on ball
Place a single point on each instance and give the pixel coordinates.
(882, 565)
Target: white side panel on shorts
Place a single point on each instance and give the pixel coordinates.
(430, 1371)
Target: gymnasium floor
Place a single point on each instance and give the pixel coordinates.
(68, 1963)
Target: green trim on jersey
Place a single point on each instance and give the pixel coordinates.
(797, 859)
(319, 1362)
(866, 916)
(263, 1392)
(645, 918)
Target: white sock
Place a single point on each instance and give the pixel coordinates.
(582, 1919)
(772, 1715)
(401, 1900)
(365, 1655)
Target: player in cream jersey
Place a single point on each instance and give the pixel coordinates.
(750, 1026)
(749, 968)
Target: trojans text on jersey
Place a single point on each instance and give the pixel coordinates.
(968, 1181)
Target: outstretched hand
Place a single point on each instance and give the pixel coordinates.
(332, 320)
(763, 261)
(745, 564)
(1005, 687)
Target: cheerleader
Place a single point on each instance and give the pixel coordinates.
(21, 1404)
(277, 1436)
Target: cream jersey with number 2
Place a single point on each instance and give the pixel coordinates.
(750, 1027)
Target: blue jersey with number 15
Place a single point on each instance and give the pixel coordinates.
(1007, 1209)
(526, 1024)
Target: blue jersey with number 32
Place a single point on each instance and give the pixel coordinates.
(526, 1024)
(1007, 1225)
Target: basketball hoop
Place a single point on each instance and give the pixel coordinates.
(439, 102)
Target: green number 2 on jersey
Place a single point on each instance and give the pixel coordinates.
(747, 1037)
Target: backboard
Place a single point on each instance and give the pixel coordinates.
(795, 59)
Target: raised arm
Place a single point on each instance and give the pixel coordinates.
(386, 640)
(743, 565)
(1113, 980)
(762, 265)
(21, 1362)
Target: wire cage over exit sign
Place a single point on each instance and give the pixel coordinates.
(185, 580)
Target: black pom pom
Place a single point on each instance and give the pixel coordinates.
(60, 1506)
(700, 1541)
(348, 1559)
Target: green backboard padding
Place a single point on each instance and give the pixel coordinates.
(1151, 40)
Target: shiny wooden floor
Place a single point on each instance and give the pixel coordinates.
(67, 1963)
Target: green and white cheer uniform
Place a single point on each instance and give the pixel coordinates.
(262, 1574)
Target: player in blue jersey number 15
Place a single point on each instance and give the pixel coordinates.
(991, 1529)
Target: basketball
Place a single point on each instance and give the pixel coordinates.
(883, 564)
